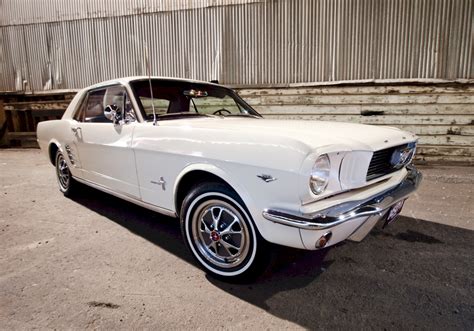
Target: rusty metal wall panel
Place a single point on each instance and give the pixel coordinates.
(56, 44)
(19, 12)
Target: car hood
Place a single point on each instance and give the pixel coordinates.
(314, 134)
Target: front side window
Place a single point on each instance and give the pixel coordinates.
(96, 102)
(175, 99)
(94, 111)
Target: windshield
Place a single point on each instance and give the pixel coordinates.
(174, 99)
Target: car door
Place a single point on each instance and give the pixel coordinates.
(104, 146)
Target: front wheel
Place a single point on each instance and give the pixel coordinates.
(220, 233)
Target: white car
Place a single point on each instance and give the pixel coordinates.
(197, 151)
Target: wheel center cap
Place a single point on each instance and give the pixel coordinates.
(215, 236)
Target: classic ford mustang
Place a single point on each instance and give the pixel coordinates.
(197, 151)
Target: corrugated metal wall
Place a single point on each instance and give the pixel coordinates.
(56, 44)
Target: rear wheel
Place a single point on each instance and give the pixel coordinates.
(67, 184)
(220, 233)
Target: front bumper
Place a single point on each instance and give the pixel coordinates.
(373, 208)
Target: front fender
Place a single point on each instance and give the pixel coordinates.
(217, 171)
(270, 231)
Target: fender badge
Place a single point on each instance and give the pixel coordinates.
(266, 178)
(161, 182)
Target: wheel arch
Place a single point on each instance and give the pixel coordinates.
(200, 173)
(53, 148)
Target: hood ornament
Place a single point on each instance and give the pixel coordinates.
(266, 178)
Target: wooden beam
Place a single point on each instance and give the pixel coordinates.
(37, 105)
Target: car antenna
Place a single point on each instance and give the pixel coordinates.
(148, 68)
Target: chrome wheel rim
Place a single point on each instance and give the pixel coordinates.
(220, 233)
(62, 171)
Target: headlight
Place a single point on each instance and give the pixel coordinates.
(320, 174)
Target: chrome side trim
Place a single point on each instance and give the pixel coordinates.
(346, 211)
(124, 196)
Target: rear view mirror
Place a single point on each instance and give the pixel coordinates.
(195, 93)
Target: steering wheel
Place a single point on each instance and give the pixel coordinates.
(221, 111)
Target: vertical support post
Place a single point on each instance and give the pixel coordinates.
(3, 125)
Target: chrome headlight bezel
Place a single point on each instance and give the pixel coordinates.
(320, 174)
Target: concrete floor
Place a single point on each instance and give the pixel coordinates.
(98, 262)
(446, 196)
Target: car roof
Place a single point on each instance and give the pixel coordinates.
(126, 80)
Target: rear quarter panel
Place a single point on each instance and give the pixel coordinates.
(58, 132)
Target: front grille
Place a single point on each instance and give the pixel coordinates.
(380, 163)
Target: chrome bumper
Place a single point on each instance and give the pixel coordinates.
(330, 217)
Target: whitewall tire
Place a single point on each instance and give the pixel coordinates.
(220, 233)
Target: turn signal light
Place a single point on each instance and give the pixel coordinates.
(321, 242)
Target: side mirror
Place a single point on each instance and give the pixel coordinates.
(111, 112)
